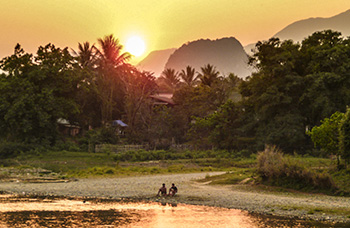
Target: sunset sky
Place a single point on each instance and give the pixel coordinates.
(161, 24)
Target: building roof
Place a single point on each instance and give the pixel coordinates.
(66, 123)
(159, 99)
(119, 123)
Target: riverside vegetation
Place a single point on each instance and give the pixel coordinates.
(268, 168)
(297, 99)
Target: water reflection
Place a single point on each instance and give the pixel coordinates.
(34, 212)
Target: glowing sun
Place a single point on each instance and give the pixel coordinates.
(135, 46)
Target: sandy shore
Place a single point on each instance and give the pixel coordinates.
(304, 206)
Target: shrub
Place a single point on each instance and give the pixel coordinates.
(66, 145)
(105, 135)
(277, 169)
(344, 137)
(270, 162)
(12, 149)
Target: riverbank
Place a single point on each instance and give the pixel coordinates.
(295, 205)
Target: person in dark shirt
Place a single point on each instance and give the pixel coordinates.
(162, 190)
(172, 190)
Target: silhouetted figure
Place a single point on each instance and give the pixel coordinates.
(162, 190)
(172, 190)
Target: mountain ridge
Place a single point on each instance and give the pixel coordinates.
(299, 30)
(226, 54)
(155, 61)
(296, 31)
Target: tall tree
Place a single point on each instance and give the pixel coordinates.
(326, 61)
(171, 78)
(295, 87)
(111, 52)
(189, 76)
(87, 55)
(35, 92)
(139, 86)
(88, 94)
(271, 96)
(112, 64)
(208, 75)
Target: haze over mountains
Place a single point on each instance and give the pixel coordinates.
(299, 30)
(227, 54)
(156, 61)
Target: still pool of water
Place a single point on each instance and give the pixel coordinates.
(35, 212)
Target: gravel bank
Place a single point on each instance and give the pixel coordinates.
(306, 206)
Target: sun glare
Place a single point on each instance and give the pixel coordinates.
(135, 46)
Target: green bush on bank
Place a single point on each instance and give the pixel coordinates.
(153, 155)
(276, 169)
(13, 149)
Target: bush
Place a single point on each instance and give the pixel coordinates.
(66, 145)
(277, 169)
(12, 149)
(105, 135)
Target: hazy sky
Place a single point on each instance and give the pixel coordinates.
(161, 23)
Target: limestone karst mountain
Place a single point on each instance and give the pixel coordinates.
(226, 54)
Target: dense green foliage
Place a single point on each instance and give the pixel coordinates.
(326, 135)
(293, 88)
(89, 90)
(35, 92)
(297, 96)
(344, 137)
(332, 136)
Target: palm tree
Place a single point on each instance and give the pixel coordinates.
(86, 96)
(87, 54)
(209, 75)
(188, 76)
(112, 67)
(111, 51)
(171, 78)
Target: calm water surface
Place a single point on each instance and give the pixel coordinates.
(34, 212)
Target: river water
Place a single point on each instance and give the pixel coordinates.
(36, 212)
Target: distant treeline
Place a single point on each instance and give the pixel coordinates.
(293, 88)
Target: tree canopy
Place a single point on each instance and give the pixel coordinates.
(294, 87)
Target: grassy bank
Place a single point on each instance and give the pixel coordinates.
(239, 170)
(84, 164)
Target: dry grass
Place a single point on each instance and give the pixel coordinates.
(278, 169)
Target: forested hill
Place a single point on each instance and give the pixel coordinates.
(226, 54)
(299, 30)
(155, 61)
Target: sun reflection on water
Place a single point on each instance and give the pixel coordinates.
(36, 212)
